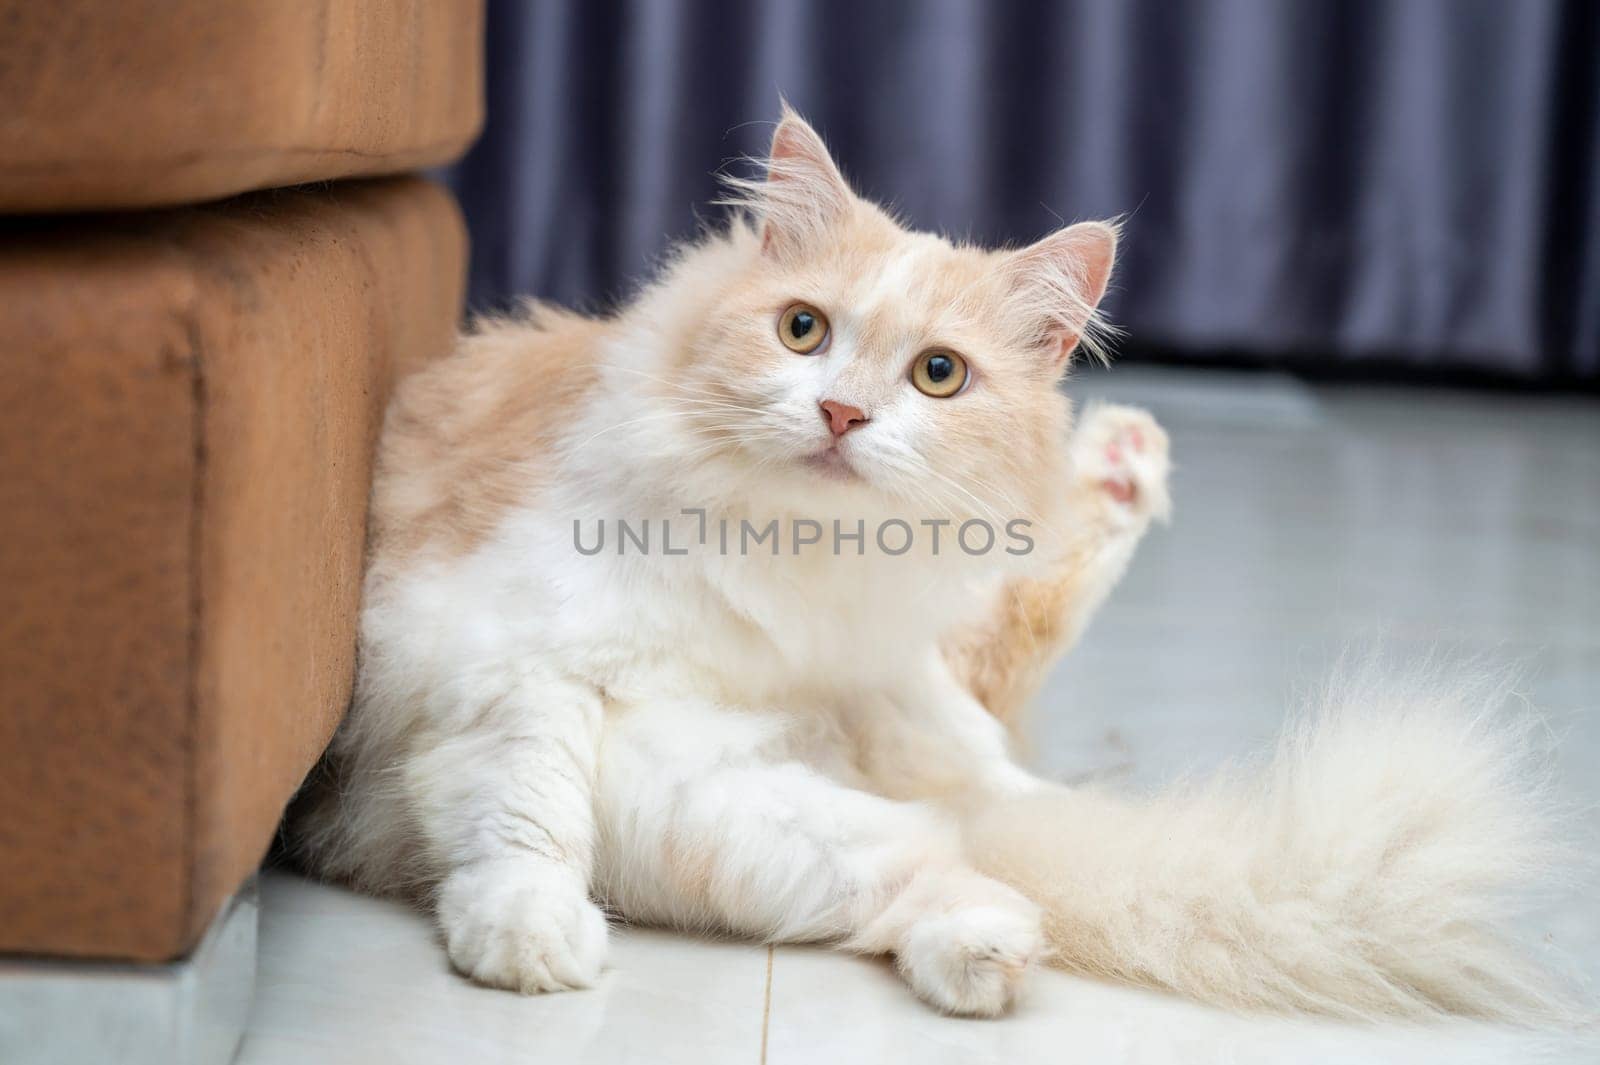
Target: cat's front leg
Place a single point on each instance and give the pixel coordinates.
(1119, 486)
(503, 795)
(710, 822)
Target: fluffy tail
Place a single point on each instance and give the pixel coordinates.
(1372, 869)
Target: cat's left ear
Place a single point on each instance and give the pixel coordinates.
(804, 194)
(1058, 283)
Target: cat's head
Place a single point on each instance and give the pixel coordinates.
(836, 347)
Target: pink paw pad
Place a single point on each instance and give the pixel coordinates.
(1122, 489)
(1123, 454)
(1130, 437)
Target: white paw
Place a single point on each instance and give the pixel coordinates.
(522, 926)
(1124, 453)
(971, 961)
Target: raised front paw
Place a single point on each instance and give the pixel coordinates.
(522, 926)
(1122, 453)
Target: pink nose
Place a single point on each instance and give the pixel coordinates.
(841, 417)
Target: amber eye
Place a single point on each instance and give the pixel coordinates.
(940, 374)
(803, 329)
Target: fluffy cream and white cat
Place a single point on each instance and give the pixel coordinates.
(802, 740)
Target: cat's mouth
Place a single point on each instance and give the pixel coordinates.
(831, 463)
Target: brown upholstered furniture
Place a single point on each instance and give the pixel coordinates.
(189, 399)
(140, 102)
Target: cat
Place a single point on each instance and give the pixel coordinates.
(580, 689)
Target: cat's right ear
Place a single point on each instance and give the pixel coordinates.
(804, 194)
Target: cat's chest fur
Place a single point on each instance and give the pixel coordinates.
(742, 627)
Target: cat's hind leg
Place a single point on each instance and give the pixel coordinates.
(1119, 486)
(707, 825)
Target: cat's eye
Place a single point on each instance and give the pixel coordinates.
(939, 373)
(803, 329)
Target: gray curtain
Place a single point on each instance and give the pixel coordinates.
(1412, 182)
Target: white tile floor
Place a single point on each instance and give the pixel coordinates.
(1307, 519)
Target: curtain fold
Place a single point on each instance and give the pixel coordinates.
(1414, 181)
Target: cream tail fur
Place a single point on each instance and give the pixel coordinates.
(1372, 868)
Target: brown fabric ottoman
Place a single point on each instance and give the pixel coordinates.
(190, 399)
(142, 102)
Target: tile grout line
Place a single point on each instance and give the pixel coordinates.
(766, 1007)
